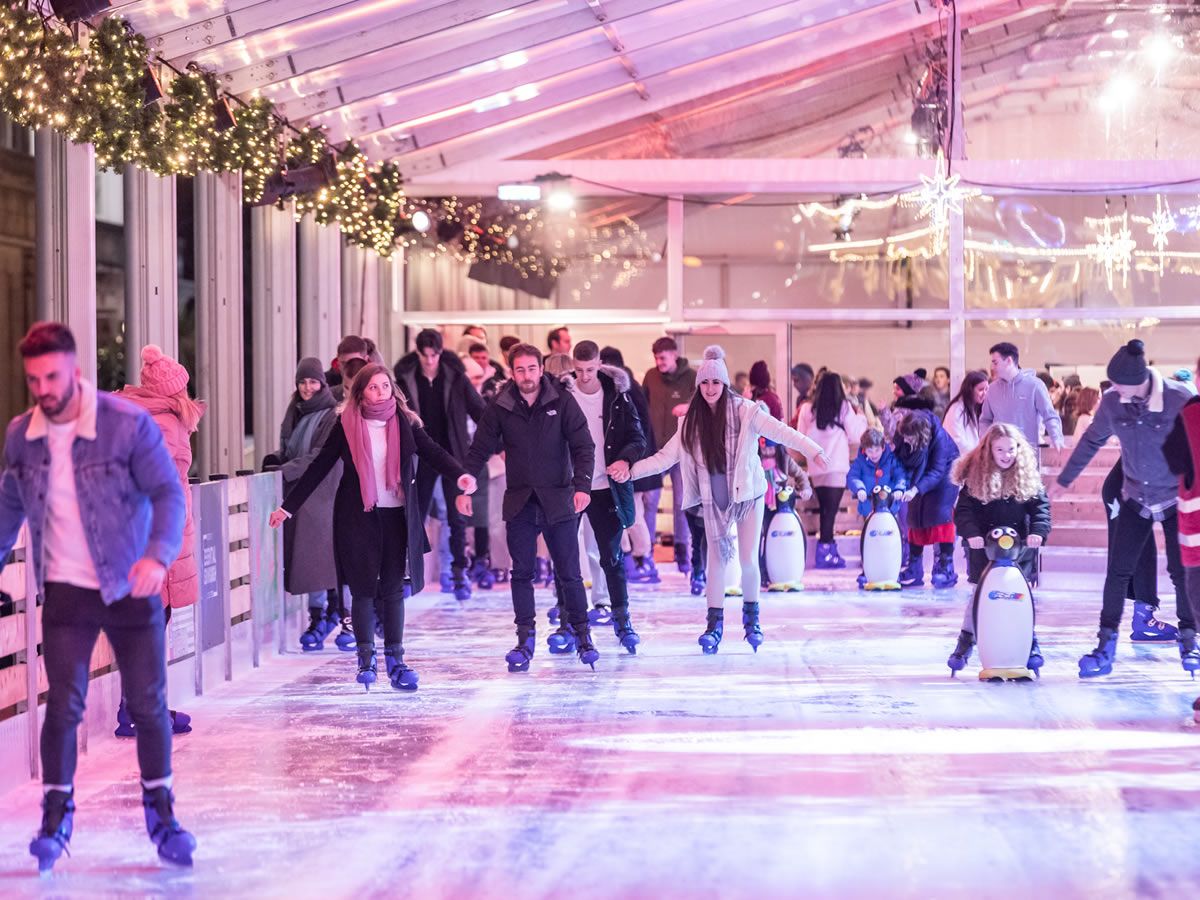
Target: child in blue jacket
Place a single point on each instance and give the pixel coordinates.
(876, 465)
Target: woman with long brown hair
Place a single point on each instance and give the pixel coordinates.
(716, 446)
(379, 539)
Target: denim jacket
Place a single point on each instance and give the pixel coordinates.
(130, 498)
(1142, 427)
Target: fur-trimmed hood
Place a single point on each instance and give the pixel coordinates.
(618, 376)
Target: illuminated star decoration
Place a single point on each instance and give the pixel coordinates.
(1113, 250)
(1161, 224)
(938, 196)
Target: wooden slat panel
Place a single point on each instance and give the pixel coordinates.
(12, 634)
(239, 564)
(12, 580)
(12, 683)
(239, 600)
(102, 654)
(238, 491)
(239, 527)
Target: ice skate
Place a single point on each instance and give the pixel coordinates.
(480, 572)
(561, 641)
(368, 673)
(174, 844)
(699, 582)
(1145, 629)
(754, 634)
(54, 837)
(943, 575)
(346, 640)
(1189, 654)
(462, 586)
(682, 559)
(313, 637)
(623, 629)
(402, 678)
(125, 727)
(518, 657)
(1100, 660)
(588, 654)
(553, 614)
(600, 614)
(711, 639)
(913, 575)
(962, 652)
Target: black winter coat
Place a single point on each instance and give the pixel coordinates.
(548, 452)
(623, 436)
(974, 518)
(357, 538)
(458, 396)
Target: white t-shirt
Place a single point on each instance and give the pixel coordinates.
(593, 410)
(68, 557)
(378, 432)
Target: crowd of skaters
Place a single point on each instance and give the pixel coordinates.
(557, 438)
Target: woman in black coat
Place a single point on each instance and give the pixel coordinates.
(379, 538)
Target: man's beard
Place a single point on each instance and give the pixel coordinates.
(60, 406)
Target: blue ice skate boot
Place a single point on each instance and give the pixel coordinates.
(401, 676)
(962, 652)
(1189, 654)
(174, 844)
(943, 575)
(710, 641)
(368, 672)
(553, 614)
(346, 640)
(314, 636)
(1100, 660)
(462, 587)
(823, 558)
(562, 641)
(1145, 629)
(699, 583)
(447, 582)
(518, 657)
(754, 633)
(623, 629)
(481, 573)
(600, 614)
(913, 574)
(125, 726)
(54, 837)
(588, 654)
(683, 560)
(1035, 661)
(862, 581)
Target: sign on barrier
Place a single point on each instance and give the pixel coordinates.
(211, 514)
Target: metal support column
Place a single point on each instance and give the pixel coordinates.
(675, 260)
(66, 239)
(956, 268)
(273, 311)
(320, 290)
(151, 268)
(220, 338)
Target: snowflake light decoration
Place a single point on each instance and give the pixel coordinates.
(1114, 250)
(1161, 224)
(938, 197)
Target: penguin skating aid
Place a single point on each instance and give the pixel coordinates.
(881, 545)
(1003, 612)
(784, 545)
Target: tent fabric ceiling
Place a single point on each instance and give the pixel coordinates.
(436, 83)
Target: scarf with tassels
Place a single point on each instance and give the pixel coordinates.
(354, 423)
(719, 522)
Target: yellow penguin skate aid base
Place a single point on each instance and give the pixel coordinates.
(1017, 674)
(882, 586)
(779, 587)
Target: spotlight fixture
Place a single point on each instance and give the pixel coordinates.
(449, 230)
(556, 191)
(421, 221)
(301, 180)
(223, 110)
(152, 89)
(71, 11)
(520, 193)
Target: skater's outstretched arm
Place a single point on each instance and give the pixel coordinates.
(331, 452)
(660, 461)
(1089, 444)
(12, 510)
(433, 453)
(772, 429)
(486, 443)
(635, 436)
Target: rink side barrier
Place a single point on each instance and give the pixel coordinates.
(242, 615)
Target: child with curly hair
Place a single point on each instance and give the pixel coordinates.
(1001, 488)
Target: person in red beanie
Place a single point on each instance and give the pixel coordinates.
(163, 394)
(760, 389)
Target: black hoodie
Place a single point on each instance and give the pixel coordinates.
(460, 399)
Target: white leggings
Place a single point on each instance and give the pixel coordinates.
(749, 530)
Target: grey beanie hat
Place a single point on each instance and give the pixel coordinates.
(310, 367)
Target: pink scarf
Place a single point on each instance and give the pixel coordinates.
(354, 423)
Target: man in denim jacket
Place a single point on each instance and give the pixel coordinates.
(92, 476)
(1140, 410)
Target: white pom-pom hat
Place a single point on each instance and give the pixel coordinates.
(713, 366)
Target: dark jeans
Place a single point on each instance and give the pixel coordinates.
(72, 619)
(389, 590)
(1132, 533)
(829, 499)
(483, 543)
(1192, 576)
(562, 539)
(426, 478)
(1143, 585)
(602, 514)
(699, 541)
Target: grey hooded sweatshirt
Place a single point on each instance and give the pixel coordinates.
(1023, 402)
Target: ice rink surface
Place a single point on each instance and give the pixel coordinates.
(840, 761)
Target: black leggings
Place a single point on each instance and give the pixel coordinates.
(829, 499)
(389, 589)
(699, 542)
(483, 543)
(1143, 585)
